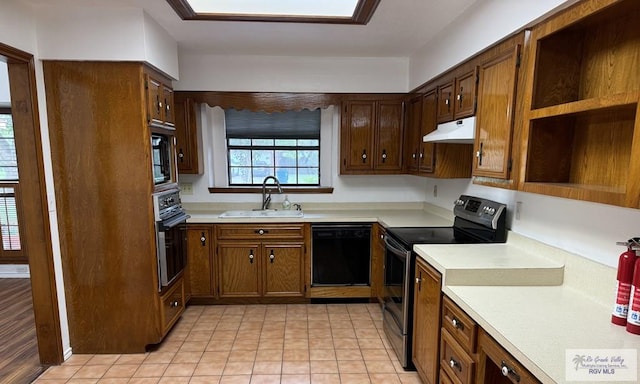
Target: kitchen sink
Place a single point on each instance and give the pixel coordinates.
(260, 213)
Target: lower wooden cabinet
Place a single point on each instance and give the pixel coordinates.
(377, 262)
(261, 261)
(457, 363)
(173, 304)
(426, 321)
(200, 261)
(497, 366)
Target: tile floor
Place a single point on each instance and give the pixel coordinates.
(301, 343)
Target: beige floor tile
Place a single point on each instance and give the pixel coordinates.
(295, 379)
(375, 354)
(180, 369)
(320, 333)
(274, 325)
(242, 355)
(296, 343)
(150, 370)
(272, 343)
(177, 335)
(77, 360)
(112, 380)
(194, 346)
(343, 333)
(215, 356)
(245, 345)
(346, 344)
(324, 366)
(272, 334)
(121, 370)
(321, 316)
(205, 380)
(250, 334)
(295, 367)
(379, 366)
(296, 333)
(409, 378)
(82, 381)
(174, 380)
(319, 324)
(235, 379)
(363, 324)
(251, 324)
(220, 345)
(205, 326)
(265, 379)
(348, 354)
(224, 334)
(209, 368)
(295, 355)
(367, 333)
(352, 366)
(159, 357)
(169, 346)
(238, 368)
(339, 317)
(322, 354)
(321, 343)
(267, 368)
(60, 372)
(354, 378)
(103, 359)
(325, 378)
(199, 336)
(296, 323)
(270, 355)
(228, 325)
(231, 310)
(341, 324)
(134, 358)
(384, 378)
(91, 371)
(144, 380)
(371, 343)
(187, 357)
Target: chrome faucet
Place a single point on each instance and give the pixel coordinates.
(266, 194)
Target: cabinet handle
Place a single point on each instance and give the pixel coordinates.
(166, 106)
(447, 102)
(158, 103)
(181, 155)
(251, 256)
(459, 98)
(173, 304)
(364, 156)
(457, 324)
(272, 256)
(261, 231)
(508, 371)
(479, 154)
(203, 239)
(455, 364)
(419, 281)
(413, 155)
(384, 155)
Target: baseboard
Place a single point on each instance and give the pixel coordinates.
(14, 271)
(67, 353)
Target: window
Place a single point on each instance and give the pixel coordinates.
(8, 159)
(9, 229)
(285, 145)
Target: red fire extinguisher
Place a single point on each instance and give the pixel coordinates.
(626, 267)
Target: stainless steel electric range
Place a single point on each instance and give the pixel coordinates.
(477, 220)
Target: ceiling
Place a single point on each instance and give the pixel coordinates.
(397, 29)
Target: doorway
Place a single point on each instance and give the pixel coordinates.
(35, 234)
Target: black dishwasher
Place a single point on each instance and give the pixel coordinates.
(341, 254)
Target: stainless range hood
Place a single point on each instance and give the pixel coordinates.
(458, 131)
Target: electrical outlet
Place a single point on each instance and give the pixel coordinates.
(435, 191)
(186, 188)
(518, 209)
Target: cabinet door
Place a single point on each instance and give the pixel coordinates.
(389, 137)
(426, 313)
(155, 101)
(283, 269)
(445, 102)
(493, 360)
(239, 264)
(199, 259)
(413, 138)
(465, 95)
(494, 120)
(186, 137)
(357, 135)
(168, 112)
(377, 261)
(429, 122)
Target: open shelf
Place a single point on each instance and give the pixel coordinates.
(606, 102)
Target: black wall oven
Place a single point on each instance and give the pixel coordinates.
(171, 236)
(476, 220)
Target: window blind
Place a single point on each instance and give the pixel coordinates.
(245, 124)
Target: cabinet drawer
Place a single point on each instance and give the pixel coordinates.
(459, 325)
(257, 232)
(172, 305)
(454, 360)
(444, 378)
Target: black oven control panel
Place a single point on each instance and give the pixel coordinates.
(480, 211)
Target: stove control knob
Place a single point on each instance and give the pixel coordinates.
(458, 202)
(491, 211)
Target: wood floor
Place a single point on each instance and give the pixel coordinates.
(19, 361)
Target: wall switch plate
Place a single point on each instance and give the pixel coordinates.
(435, 191)
(186, 188)
(518, 209)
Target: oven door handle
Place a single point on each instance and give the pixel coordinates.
(176, 220)
(396, 248)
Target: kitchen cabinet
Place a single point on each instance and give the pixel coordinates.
(497, 366)
(456, 98)
(159, 101)
(372, 133)
(426, 320)
(413, 134)
(261, 261)
(498, 77)
(581, 132)
(101, 160)
(188, 145)
(457, 344)
(377, 261)
(200, 263)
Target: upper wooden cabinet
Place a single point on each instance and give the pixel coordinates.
(498, 77)
(372, 136)
(456, 98)
(413, 134)
(159, 101)
(581, 134)
(187, 144)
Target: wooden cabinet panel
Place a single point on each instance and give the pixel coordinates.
(357, 136)
(173, 304)
(187, 137)
(426, 318)
(259, 232)
(239, 264)
(493, 360)
(465, 95)
(454, 360)
(495, 117)
(459, 325)
(445, 102)
(200, 260)
(413, 134)
(377, 261)
(429, 123)
(284, 268)
(389, 136)
(159, 102)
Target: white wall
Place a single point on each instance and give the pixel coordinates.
(18, 29)
(481, 25)
(200, 72)
(104, 33)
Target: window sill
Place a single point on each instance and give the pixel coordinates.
(258, 189)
